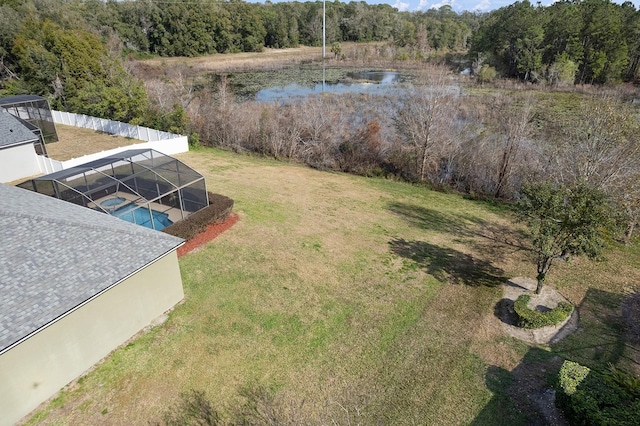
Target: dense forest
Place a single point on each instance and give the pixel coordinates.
(592, 41)
(74, 52)
(71, 50)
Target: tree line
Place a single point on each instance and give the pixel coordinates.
(74, 51)
(586, 42)
(235, 26)
(178, 28)
(71, 50)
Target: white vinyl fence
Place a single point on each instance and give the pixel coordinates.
(112, 127)
(164, 142)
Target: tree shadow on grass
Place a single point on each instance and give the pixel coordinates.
(435, 220)
(492, 238)
(448, 265)
(631, 323)
(601, 337)
(504, 310)
(524, 395)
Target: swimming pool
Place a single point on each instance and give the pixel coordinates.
(141, 216)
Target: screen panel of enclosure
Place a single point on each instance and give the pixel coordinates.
(142, 186)
(35, 113)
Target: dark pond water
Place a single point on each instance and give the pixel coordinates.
(379, 82)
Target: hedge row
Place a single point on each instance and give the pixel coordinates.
(588, 397)
(529, 318)
(218, 211)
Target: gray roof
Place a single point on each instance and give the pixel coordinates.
(18, 99)
(13, 132)
(55, 255)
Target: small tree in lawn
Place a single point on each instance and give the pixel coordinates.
(563, 221)
(336, 49)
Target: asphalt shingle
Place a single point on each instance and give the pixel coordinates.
(13, 132)
(55, 255)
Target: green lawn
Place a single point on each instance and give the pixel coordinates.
(344, 299)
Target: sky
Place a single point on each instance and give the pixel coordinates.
(456, 5)
(460, 5)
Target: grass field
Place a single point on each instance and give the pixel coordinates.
(75, 142)
(344, 300)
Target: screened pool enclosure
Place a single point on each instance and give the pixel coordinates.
(141, 186)
(35, 114)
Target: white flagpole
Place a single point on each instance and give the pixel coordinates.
(324, 26)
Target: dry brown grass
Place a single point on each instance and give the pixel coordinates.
(304, 294)
(269, 59)
(75, 142)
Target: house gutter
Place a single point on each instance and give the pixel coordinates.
(95, 296)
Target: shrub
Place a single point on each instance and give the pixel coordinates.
(590, 398)
(529, 318)
(218, 211)
(627, 381)
(486, 74)
(570, 376)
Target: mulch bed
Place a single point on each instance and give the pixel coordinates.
(207, 235)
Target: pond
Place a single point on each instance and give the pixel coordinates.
(379, 82)
(282, 85)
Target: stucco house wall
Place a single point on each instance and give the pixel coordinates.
(38, 367)
(74, 285)
(18, 162)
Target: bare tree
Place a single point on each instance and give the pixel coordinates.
(423, 121)
(292, 132)
(323, 121)
(601, 146)
(627, 196)
(514, 131)
(175, 88)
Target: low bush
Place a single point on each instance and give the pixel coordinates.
(571, 375)
(588, 397)
(627, 381)
(218, 211)
(529, 318)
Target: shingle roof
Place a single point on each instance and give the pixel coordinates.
(55, 255)
(13, 132)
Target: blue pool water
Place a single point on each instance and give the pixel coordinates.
(142, 217)
(112, 202)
